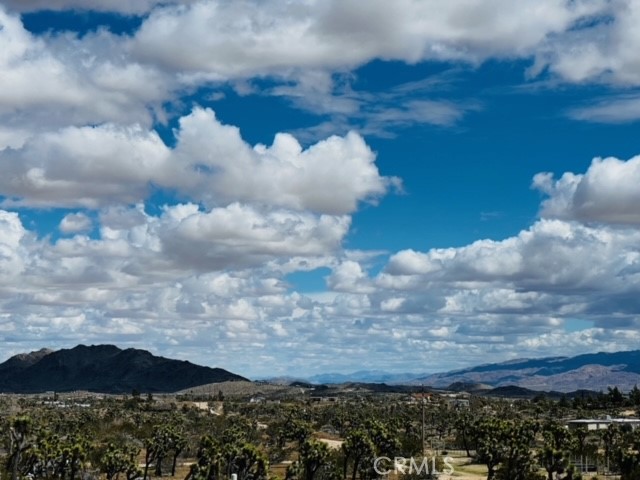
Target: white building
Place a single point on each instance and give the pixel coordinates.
(602, 423)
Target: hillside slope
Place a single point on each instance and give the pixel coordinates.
(593, 371)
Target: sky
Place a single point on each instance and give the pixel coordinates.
(291, 187)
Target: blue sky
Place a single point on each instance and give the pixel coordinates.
(290, 188)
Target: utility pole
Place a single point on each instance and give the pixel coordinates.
(422, 436)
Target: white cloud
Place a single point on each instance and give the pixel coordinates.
(32, 74)
(55, 81)
(348, 276)
(11, 237)
(75, 223)
(136, 254)
(617, 109)
(84, 167)
(603, 50)
(421, 111)
(410, 262)
(381, 114)
(243, 236)
(608, 192)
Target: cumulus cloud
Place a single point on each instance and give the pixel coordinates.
(110, 164)
(608, 192)
(185, 260)
(281, 174)
(546, 258)
(192, 271)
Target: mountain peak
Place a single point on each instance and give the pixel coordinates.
(27, 359)
(36, 354)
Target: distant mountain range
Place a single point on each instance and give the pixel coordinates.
(105, 369)
(593, 371)
(363, 376)
(109, 369)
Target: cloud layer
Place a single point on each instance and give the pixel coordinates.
(193, 238)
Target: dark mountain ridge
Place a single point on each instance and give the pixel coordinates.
(105, 369)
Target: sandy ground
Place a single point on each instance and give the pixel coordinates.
(332, 444)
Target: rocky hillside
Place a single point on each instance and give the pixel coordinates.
(595, 371)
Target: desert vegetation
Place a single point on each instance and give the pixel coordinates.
(315, 438)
